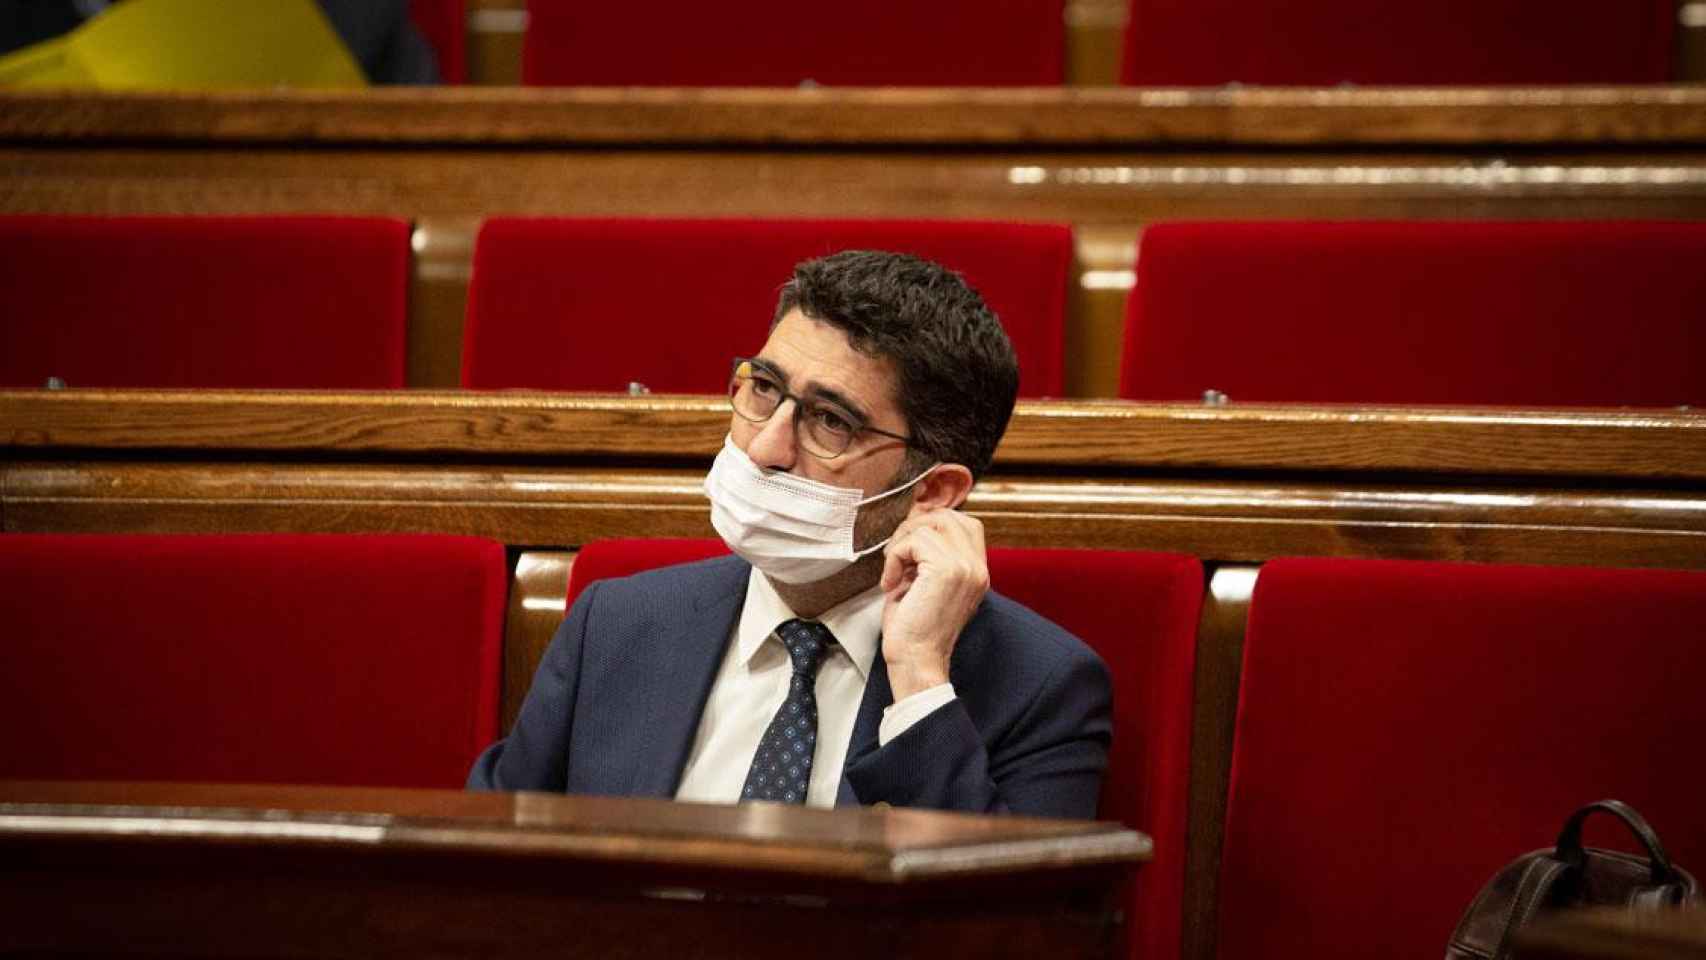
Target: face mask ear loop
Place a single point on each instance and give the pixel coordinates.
(908, 485)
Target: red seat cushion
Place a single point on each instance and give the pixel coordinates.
(444, 24)
(1327, 42)
(596, 304)
(283, 302)
(1139, 612)
(1537, 314)
(351, 660)
(979, 43)
(1405, 729)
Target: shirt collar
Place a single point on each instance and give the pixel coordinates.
(857, 622)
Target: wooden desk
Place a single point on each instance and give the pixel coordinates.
(302, 871)
(1616, 935)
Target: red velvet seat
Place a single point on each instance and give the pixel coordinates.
(1461, 42)
(595, 304)
(1139, 612)
(1405, 729)
(952, 43)
(349, 660)
(444, 24)
(1531, 314)
(283, 302)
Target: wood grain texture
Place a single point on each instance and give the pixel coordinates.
(1009, 183)
(1214, 706)
(869, 845)
(1226, 520)
(1087, 436)
(190, 870)
(1613, 934)
(716, 116)
(537, 595)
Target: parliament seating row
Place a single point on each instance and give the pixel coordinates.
(1167, 43)
(1402, 728)
(1504, 313)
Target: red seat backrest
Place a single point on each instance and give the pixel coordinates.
(1533, 314)
(1138, 611)
(444, 24)
(263, 302)
(1463, 42)
(1405, 729)
(326, 659)
(588, 304)
(963, 43)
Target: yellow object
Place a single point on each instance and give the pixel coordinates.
(191, 44)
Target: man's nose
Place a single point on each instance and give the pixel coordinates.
(774, 446)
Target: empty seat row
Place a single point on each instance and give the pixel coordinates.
(1403, 728)
(1167, 43)
(1529, 314)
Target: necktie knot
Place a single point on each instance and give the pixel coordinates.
(806, 641)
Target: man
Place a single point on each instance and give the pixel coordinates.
(850, 652)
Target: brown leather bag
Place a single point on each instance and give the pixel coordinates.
(1570, 875)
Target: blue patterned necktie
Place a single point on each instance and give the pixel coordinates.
(782, 767)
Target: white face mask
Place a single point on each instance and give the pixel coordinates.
(795, 530)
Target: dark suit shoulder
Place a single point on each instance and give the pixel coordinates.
(1016, 630)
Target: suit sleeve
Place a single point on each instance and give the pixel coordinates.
(1049, 762)
(535, 754)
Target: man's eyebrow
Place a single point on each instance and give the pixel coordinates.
(841, 400)
(815, 393)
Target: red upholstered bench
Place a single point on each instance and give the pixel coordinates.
(588, 304)
(1327, 42)
(351, 660)
(279, 302)
(1139, 612)
(444, 25)
(963, 43)
(1405, 729)
(1534, 314)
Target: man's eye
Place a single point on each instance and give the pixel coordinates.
(833, 422)
(765, 387)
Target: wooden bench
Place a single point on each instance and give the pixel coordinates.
(1235, 485)
(1106, 161)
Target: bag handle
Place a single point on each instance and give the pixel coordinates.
(1570, 838)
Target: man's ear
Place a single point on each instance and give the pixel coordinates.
(946, 486)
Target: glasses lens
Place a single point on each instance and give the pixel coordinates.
(827, 433)
(753, 398)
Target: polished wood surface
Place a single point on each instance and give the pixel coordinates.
(1066, 116)
(1214, 705)
(1654, 444)
(538, 596)
(302, 871)
(1611, 934)
(1230, 484)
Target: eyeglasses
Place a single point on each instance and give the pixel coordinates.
(829, 429)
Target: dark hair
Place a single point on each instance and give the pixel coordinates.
(958, 376)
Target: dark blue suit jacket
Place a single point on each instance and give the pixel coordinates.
(617, 698)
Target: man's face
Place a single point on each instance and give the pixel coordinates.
(815, 361)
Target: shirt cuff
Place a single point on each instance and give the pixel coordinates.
(898, 717)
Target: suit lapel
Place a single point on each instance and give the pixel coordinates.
(684, 674)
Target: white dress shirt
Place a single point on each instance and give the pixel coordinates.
(752, 683)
